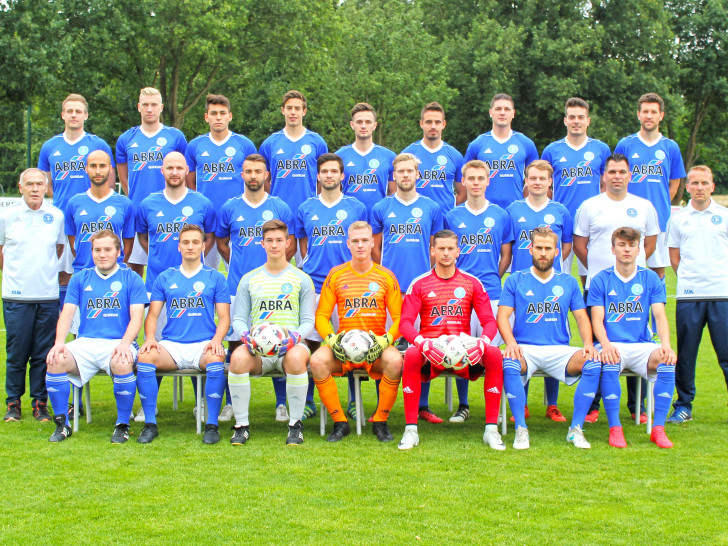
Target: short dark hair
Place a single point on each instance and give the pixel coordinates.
(192, 227)
(222, 100)
(627, 234)
(106, 233)
(576, 102)
(274, 225)
(502, 96)
(651, 98)
(432, 107)
(257, 158)
(323, 158)
(293, 94)
(617, 158)
(363, 107)
(444, 234)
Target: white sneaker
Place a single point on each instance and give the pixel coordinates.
(194, 410)
(521, 440)
(492, 437)
(461, 415)
(226, 414)
(282, 413)
(410, 439)
(576, 437)
(140, 416)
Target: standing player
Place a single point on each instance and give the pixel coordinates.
(192, 294)
(621, 298)
(440, 163)
(539, 340)
(485, 236)
(282, 294)
(578, 164)
(112, 301)
(403, 226)
(362, 292)
(506, 152)
(444, 300)
(216, 161)
(367, 166)
(697, 237)
(140, 152)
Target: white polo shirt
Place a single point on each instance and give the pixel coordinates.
(599, 216)
(702, 237)
(29, 239)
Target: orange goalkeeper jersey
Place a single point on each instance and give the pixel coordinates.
(362, 300)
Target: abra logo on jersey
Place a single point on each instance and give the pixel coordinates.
(452, 308)
(412, 226)
(334, 228)
(153, 155)
(103, 222)
(616, 311)
(286, 167)
(193, 300)
(106, 306)
(581, 174)
(505, 163)
(358, 306)
(223, 165)
(549, 306)
(167, 230)
(437, 173)
(248, 235)
(367, 178)
(651, 171)
(469, 242)
(282, 302)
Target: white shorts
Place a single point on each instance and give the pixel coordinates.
(213, 259)
(138, 256)
(272, 364)
(566, 264)
(186, 355)
(65, 262)
(314, 335)
(477, 330)
(661, 256)
(550, 359)
(93, 355)
(635, 357)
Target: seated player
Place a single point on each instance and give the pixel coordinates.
(539, 340)
(282, 294)
(620, 298)
(444, 299)
(363, 292)
(112, 300)
(191, 294)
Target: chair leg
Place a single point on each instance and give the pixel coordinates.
(638, 402)
(322, 420)
(357, 401)
(503, 413)
(650, 405)
(87, 395)
(448, 392)
(174, 392)
(199, 407)
(76, 401)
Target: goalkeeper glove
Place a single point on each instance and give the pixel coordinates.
(377, 348)
(429, 351)
(249, 343)
(292, 339)
(334, 342)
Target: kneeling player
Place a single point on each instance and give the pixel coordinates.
(284, 295)
(539, 340)
(620, 298)
(445, 299)
(362, 292)
(192, 294)
(112, 300)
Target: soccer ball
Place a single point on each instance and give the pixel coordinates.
(454, 351)
(356, 345)
(267, 338)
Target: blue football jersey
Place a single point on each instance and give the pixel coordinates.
(440, 169)
(480, 236)
(326, 229)
(243, 223)
(292, 165)
(162, 221)
(104, 301)
(653, 166)
(218, 167)
(507, 161)
(190, 302)
(406, 229)
(626, 303)
(577, 172)
(85, 215)
(144, 154)
(66, 161)
(367, 175)
(524, 219)
(541, 307)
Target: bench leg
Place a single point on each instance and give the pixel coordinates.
(174, 393)
(88, 402)
(76, 401)
(322, 421)
(638, 403)
(650, 405)
(357, 401)
(448, 392)
(199, 407)
(503, 413)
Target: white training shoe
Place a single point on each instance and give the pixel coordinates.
(226, 414)
(410, 439)
(521, 440)
(194, 410)
(140, 416)
(282, 413)
(492, 437)
(576, 437)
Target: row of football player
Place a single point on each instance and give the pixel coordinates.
(363, 293)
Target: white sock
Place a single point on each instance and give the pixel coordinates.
(296, 389)
(410, 427)
(240, 394)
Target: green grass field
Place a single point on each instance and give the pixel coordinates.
(452, 489)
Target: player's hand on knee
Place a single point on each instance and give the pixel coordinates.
(149, 345)
(215, 347)
(379, 344)
(334, 343)
(429, 350)
(513, 351)
(589, 352)
(609, 354)
(293, 339)
(667, 355)
(57, 352)
(122, 354)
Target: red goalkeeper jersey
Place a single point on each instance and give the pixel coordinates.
(445, 306)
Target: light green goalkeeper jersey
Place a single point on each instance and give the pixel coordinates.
(287, 299)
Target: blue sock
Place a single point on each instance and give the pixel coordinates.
(279, 386)
(611, 392)
(516, 394)
(664, 387)
(124, 392)
(148, 390)
(350, 383)
(228, 398)
(462, 385)
(214, 387)
(586, 391)
(425, 395)
(309, 394)
(551, 386)
(59, 389)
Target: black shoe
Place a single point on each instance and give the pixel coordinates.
(381, 431)
(295, 434)
(211, 435)
(240, 435)
(40, 411)
(13, 413)
(121, 434)
(63, 431)
(81, 412)
(148, 434)
(341, 429)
